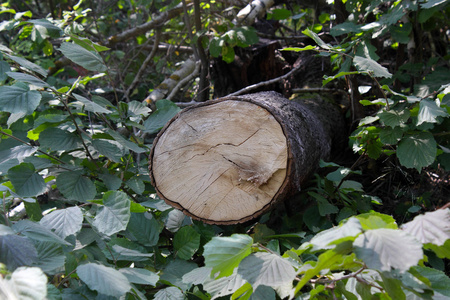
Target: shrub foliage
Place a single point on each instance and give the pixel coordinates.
(80, 218)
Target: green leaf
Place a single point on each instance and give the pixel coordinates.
(325, 207)
(327, 79)
(88, 44)
(344, 28)
(379, 101)
(383, 249)
(51, 257)
(165, 110)
(174, 272)
(417, 151)
(375, 220)
(91, 106)
(297, 49)
(16, 251)
(111, 149)
(392, 286)
(186, 242)
(33, 209)
(198, 276)
(104, 280)
(215, 47)
(46, 28)
(325, 261)
(429, 112)
(145, 228)
(26, 182)
(431, 227)
(4, 69)
(79, 55)
(268, 269)
(37, 232)
(137, 108)
(394, 118)
(317, 39)
(169, 293)
(123, 249)
(140, 276)
(28, 64)
(228, 54)
(243, 293)
(224, 254)
(224, 285)
(367, 50)
(281, 14)
(111, 181)
(175, 220)
(437, 279)
(326, 239)
(246, 36)
(29, 283)
(401, 32)
(432, 3)
(136, 184)
(50, 118)
(394, 15)
(74, 186)
(57, 139)
(370, 66)
(391, 136)
(28, 79)
(64, 222)
(137, 208)
(125, 142)
(18, 99)
(114, 215)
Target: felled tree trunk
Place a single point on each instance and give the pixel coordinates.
(229, 160)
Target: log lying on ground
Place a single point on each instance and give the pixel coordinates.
(229, 160)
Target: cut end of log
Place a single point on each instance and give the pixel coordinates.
(222, 163)
(229, 160)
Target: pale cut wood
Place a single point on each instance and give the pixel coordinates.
(219, 163)
(229, 160)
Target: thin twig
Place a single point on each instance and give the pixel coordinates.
(78, 129)
(203, 92)
(188, 25)
(26, 143)
(382, 91)
(318, 90)
(147, 60)
(186, 104)
(264, 83)
(351, 275)
(5, 214)
(184, 81)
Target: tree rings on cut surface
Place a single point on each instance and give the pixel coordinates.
(227, 161)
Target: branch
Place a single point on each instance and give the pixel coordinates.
(170, 83)
(141, 29)
(203, 86)
(147, 60)
(318, 90)
(184, 81)
(264, 83)
(170, 48)
(257, 8)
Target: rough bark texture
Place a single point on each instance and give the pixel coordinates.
(229, 160)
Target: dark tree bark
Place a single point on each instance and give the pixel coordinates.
(229, 160)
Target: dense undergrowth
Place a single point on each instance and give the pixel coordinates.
(80, 218)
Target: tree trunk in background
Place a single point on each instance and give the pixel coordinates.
(229, 160)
